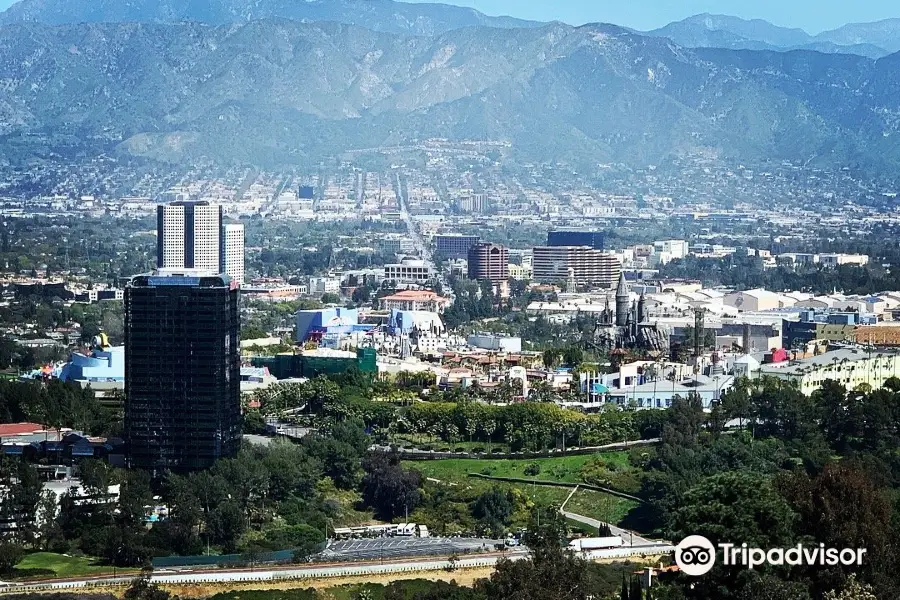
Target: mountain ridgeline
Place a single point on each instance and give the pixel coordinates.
(280, 91)
(378, 15)
(873, 40)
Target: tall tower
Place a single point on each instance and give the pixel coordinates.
(232, 259)
(182, 371)
(641, 308)
(191, 235)
(622, 301)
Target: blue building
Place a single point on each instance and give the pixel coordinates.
(591, 239)
(406, 321)
(315, 324)
(101, 365)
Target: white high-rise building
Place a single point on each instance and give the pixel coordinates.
(233, 251)
(190, 235)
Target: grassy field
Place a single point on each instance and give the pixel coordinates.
(49, 565)
(597, 505)
(561, 468)
(603, 507)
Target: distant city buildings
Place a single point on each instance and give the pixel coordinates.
(182, 371)
(191, 235)
(474, 203)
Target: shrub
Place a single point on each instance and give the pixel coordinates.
(532, 469)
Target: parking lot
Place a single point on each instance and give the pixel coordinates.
(375, 549)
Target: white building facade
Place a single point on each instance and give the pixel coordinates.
(191, 235)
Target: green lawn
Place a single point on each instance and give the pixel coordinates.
(561, 468)
(597, 505)
(49, 564)
(603, 507)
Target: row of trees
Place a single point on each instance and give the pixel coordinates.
(529, 425)
(57, 404)
(747, 272)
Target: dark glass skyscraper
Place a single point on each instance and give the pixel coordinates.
(182, 371)
(591, 239)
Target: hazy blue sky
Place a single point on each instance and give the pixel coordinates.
(812, 15)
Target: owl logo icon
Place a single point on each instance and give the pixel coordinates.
(695, 555)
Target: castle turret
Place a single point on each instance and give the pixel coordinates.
(642, 309)
(622, 301)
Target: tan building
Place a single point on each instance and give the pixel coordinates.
(590, 267)
(415, 300)
(878, 335)
(757, 300)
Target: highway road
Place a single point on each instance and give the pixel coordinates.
(421, 246)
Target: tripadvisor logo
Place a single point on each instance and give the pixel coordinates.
(695, 556)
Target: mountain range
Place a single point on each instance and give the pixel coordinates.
(721, 31)
(278, 91)
(873, 40)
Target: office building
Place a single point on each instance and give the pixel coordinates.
(673, 248)
(488, 262)
(476, 203)
(182, 370)
(587, 266)
(233, 251)
(591, 239)
(408, 271)
(454, 246)
(324, 285)
(191, 235)
(395, 243)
